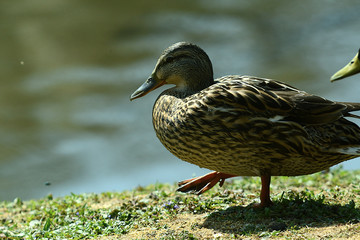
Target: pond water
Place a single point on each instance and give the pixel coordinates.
(68, 68)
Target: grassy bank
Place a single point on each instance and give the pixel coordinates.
(307, 207)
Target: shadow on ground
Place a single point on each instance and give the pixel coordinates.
(283, 215)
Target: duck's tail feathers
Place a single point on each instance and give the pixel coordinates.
(352, 115)
(351, 107)
(349, 150)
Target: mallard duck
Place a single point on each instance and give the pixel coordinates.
(243, 125)
(350, 69)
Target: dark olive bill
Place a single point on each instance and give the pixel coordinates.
(149, 85)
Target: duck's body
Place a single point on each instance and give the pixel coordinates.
(245, 126)
(251, 127)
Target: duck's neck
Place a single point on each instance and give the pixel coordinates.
(190, 89)
(178, 92)
(197, 76)
(195, 84)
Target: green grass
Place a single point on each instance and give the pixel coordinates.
(325, 205)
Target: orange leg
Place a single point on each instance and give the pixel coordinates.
(201, 184)
(265, 200)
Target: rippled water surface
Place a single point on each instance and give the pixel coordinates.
(68, 68)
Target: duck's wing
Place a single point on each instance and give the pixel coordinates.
(312, 109)
(276, 100)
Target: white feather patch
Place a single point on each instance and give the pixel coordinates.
(276, 118)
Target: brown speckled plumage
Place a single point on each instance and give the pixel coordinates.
(243, 125)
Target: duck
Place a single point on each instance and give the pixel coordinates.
(239, 125)
(353, 67)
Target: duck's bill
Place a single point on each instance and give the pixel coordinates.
(351, 68)
(147, 87)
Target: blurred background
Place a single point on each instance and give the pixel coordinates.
(68, 68)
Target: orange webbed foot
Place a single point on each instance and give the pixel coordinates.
(201, 184)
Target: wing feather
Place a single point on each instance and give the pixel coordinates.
(268, 98)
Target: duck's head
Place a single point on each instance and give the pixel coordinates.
(183, 64)
(351, 68)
